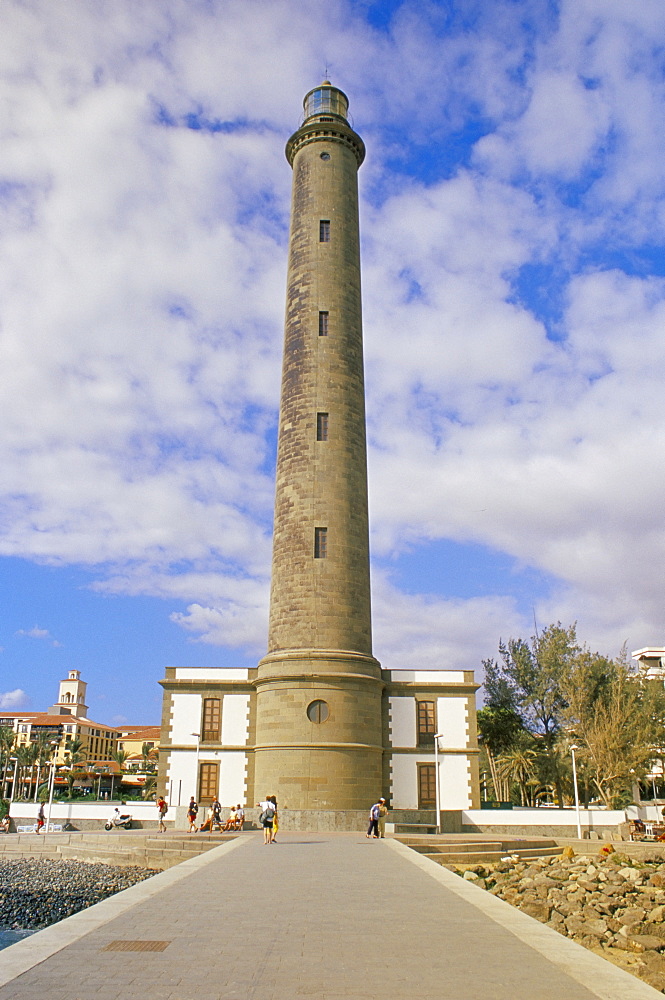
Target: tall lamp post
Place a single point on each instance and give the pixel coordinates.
(437, 737)
(196, 773)
(11, 797)
(51, 787)
(577, 797)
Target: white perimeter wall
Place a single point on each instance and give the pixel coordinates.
(589, 818)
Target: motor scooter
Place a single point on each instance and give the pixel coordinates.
(123, 821)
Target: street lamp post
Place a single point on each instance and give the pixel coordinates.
(51, 789)
(437, 737)
(11, 797)
(196, 773)
(577, 797)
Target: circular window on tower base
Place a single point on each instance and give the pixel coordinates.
(317, 711)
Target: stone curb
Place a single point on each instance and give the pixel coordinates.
(596, 974)
(31, 951)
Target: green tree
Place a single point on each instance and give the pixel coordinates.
(537, 671)
(499, 724)
(75, 756)
(529, 680)
(617, 717)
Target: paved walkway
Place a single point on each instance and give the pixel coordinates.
(317, 916)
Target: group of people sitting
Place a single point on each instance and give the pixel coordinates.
(5, 824)
(213, 820)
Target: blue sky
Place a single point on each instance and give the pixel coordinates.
(513, 232)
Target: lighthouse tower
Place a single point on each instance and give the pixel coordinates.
(318, 722)
(318, 707)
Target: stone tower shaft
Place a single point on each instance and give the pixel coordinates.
(320, 594)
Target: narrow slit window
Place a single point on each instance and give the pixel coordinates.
(322, 427)
(323, 324)
(320, 543)
(324, 231)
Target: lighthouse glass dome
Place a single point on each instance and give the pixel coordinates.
(326, 100)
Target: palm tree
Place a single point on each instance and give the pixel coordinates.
(75, 755)
(44, 749)
(120, 757)
(148, 791)
(149, 755)
(30, 754)
(7, 738)
(518, 764)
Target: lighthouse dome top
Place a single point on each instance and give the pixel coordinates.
(326, 100)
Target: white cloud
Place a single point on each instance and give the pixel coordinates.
(38, 633)
(427, 632)
(142, 272)
(13, 700)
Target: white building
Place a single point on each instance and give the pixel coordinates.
(208, 729)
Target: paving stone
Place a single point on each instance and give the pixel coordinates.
(344, 917)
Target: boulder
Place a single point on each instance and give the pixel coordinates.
(538, 910)
(645, 942)
(630, 917)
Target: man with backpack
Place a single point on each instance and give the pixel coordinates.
(265, 819)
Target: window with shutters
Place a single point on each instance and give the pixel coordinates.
(426, 786)
(208, 782)
(210, 731)
(426, 723)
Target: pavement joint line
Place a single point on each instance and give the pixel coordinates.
(35, 949)
(596, 974)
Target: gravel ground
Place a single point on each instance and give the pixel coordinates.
(35, 893)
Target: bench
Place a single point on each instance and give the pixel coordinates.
(53, 828)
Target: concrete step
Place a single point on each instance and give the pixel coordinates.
(488, 857)
(446, 851)
(428, 828)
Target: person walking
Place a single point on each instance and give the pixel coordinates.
(216, 814)
(192, 813)
(383, 812)
(41, 818)
(162, 809)
(374, 816)
(275, 819)
(265, 819)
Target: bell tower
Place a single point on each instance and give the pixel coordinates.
(318, 708)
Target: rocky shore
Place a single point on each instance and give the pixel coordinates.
(35, 893)
(612, 904)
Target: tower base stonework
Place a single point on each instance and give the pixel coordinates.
(314, 762)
